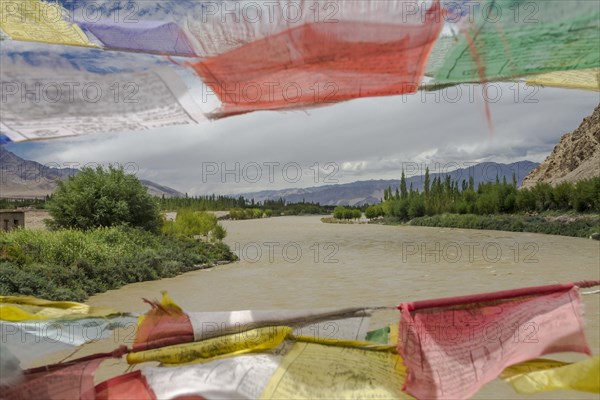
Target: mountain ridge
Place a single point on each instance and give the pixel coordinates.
(21, 178)
(371, 191)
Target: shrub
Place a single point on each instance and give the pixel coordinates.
(587, 195)
(74, 264)
(348, 213)
(219, 232)
(582, 227)
(190, 223)
(374, 211)
(562, 195)
(103, 198)
(339, 212)
(487, 204)
(416, 207)
(525, 200)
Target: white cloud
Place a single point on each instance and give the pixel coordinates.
(366, 138)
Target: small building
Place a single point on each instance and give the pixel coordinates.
(11, 219)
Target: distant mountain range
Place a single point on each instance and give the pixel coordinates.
(20, 178)
(371, 192)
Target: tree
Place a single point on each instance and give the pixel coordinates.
(416, 207)
(387, 193)
(103, 197)
(374, 211)
(339, 212)
(348, 213)
(426, 184)
(525, 200)
(403, 191)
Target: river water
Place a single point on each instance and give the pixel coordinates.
(299, 262)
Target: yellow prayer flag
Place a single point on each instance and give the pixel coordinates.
(24, 308)
(538, 364)
(207, 350)
(588, 79)
(38, 21)
(345, 343)
(394, 334)
(583, 376)
(315, 371)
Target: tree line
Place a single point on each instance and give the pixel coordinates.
(203, 203)
(445, 195)
(9, 204)
(341, 212)
(243, 208)
(206, 203)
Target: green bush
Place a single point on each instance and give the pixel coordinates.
(74, 264)
(562, 195)
(586, 196)
(102, 198)
(257, 213)
(219, 232)
(487, 204)
(339, 212)
(248, 213)
(374, 211)
(348, 213)
(190, 223)
(416, 207)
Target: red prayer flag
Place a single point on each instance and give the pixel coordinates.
(132, 386)
(453, 348)
(71, 381)
(319, 62)
(164, 325)
(125, 387)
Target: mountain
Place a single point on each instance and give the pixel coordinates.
(371, 192)
(159, 190)
(576, 157)
(20, 178)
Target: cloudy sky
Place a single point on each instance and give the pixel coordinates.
(364, 139)
(356, 140)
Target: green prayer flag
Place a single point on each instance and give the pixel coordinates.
(512, 38)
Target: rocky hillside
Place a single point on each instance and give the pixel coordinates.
(576, 157)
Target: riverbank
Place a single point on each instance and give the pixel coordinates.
(332, 220)
(562, 224)
(73, 265)
(575, 225)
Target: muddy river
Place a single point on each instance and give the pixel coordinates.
(299, 262)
